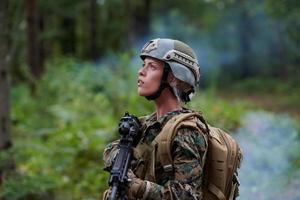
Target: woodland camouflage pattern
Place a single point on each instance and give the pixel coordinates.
(188, 148)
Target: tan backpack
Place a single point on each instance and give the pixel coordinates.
(221, 161)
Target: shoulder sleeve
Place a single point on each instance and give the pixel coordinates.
(109, 154)
(188, 148)
(189, 144)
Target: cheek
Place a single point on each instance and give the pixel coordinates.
(155, 80)
(150, 86)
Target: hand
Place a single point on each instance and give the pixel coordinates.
(136, 186)
(106, 194)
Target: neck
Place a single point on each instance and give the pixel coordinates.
(166, 102)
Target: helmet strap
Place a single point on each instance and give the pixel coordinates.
(163, 84)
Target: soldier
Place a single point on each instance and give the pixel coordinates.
(168, 77)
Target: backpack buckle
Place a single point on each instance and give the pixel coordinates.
(168, 168)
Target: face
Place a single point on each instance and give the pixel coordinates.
(149, 76)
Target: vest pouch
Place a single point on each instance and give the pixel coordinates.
(217, 161)
(145, 164)
(150, 173)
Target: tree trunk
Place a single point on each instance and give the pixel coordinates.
(245, 32)
(68, 39)
(33, 42)
(281, 53)
(15, 43)
(41, 52)
(140, 21)
(5, 139)
(93, 30)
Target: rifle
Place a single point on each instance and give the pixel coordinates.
(129, 130)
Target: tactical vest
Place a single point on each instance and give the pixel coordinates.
(222, 158)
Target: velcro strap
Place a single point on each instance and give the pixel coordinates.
(216, 191)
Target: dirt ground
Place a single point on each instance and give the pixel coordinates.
(270, 102)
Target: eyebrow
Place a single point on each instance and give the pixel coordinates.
(151, 62)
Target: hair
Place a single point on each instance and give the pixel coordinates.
(183, 91)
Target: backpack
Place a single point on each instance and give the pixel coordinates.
(222, 159)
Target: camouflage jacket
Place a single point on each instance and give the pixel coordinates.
(188, 148)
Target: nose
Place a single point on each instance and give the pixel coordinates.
(141, 72)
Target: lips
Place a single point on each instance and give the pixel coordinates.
(140, 82)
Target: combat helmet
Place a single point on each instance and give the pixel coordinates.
(179, 57)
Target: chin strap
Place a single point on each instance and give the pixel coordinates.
(163, 83)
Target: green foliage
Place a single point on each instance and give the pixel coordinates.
(220, 112)
(28, 186)
(60, 133)
(285, 92)
(226, 34)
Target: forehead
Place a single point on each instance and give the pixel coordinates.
(153, 60)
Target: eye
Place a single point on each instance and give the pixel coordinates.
(153, 66)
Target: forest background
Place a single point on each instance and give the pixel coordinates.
(68, 73)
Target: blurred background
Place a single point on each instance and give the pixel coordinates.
(68, 73)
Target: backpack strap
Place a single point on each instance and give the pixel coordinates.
(216, 191)
(164, 138)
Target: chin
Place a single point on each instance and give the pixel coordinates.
(140, 93)
(143, 93)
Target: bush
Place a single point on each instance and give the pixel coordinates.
(60, 133)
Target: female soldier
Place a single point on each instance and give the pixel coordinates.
(169, 77)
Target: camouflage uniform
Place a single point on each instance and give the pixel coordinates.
(188, 149)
